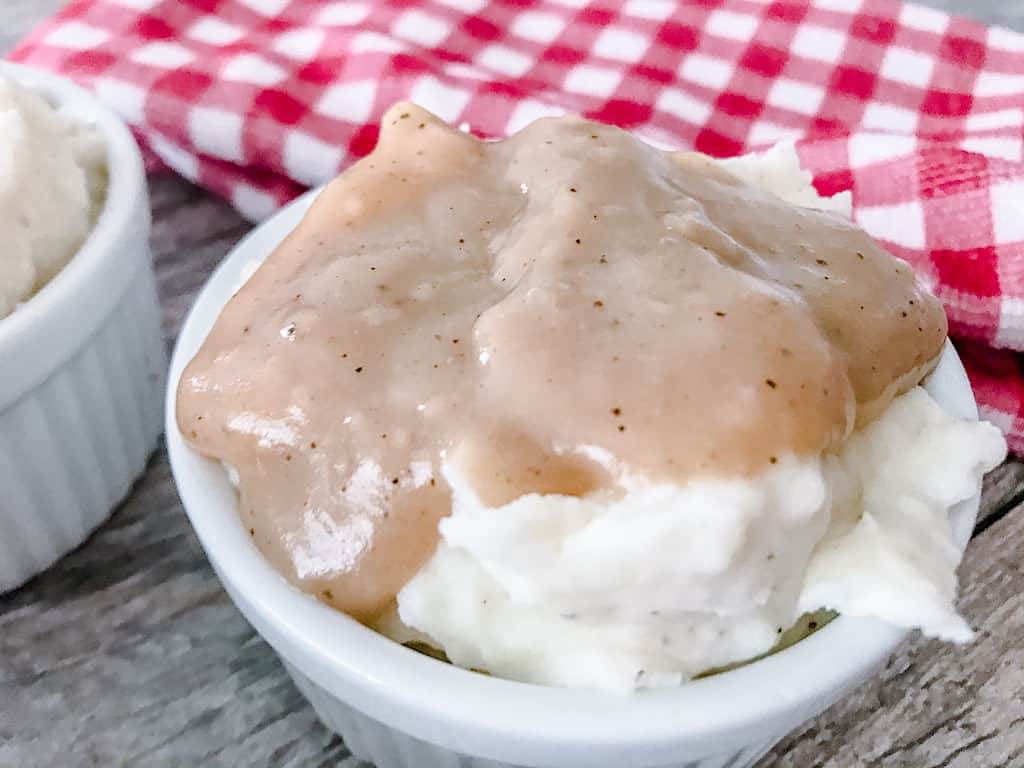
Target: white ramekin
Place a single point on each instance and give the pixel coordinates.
(400, 709)
(81, 366)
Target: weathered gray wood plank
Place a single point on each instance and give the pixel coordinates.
(935, 705)
(129, 653)
(192, 232)
(1006, 13)
(18, 17)
(1003, 489)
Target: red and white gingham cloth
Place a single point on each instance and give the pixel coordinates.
(919, 113)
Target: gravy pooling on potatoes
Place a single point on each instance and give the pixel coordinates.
(551, 313)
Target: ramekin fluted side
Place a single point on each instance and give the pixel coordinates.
(385, 747)
(71, 447)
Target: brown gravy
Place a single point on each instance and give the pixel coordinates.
(550, 312)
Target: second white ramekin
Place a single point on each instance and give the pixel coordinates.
(400, 709)
(81, 366)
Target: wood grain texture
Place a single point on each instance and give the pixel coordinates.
(937, 706)
(1006, 13)
(128, 652)
(18, 17)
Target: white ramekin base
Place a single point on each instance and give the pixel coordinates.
(71, 447)
(385, 747)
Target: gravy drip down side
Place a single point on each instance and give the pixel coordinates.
(564, 312)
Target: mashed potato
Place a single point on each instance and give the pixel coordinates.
(661, 583)
(51, 186)
(666, 582)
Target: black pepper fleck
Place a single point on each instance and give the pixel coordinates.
(359, 369)
(771, 383)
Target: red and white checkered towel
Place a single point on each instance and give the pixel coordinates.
(921, 114)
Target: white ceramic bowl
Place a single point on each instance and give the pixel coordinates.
(81, 366)
(400, 709)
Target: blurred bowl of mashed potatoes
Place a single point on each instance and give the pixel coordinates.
(81, 350)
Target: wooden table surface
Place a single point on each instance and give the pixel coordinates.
(128, 652)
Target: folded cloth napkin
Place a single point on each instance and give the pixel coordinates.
(919, 113)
